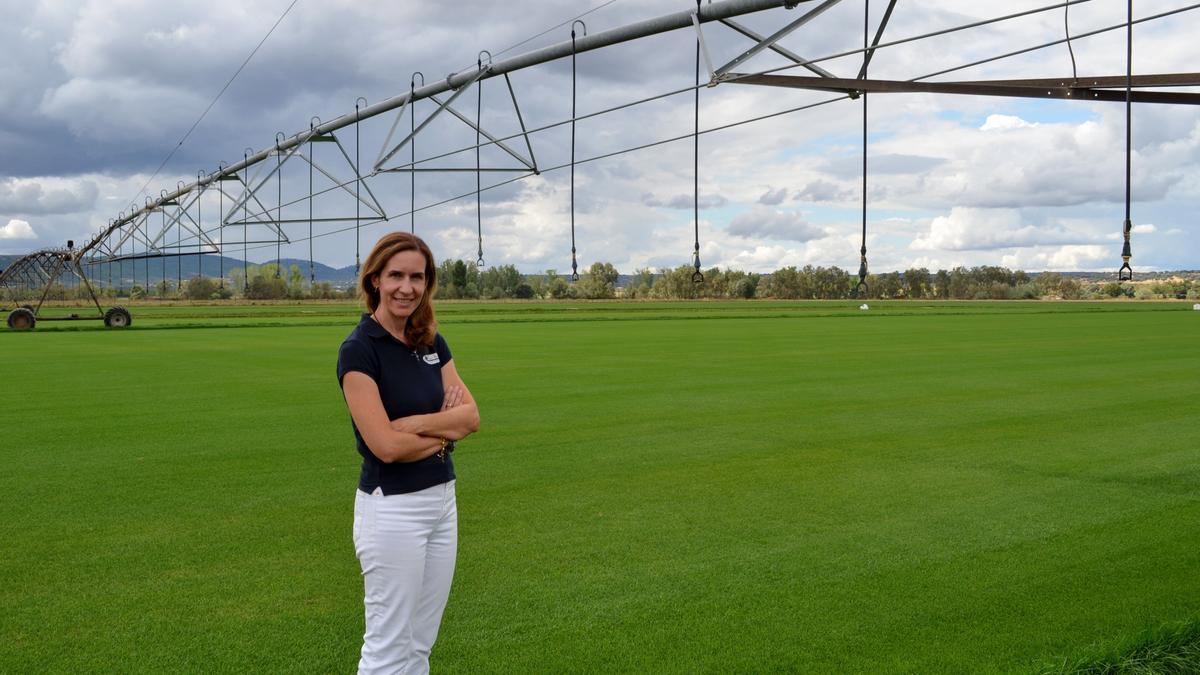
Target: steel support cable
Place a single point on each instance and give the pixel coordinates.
(574, 262)
(1067, 35)
(508, 66)
(682, 90)
(622, 151)
(925, 36)
(412, 154)
(1126, 272)
(178, 245)
(312, 274)
(412, 150)
(478, 174)
(221, 232)
(279, 202)
(357, 185)
(121, 270)
(146, 262)
(552, 125)
(1044, 45)
(216, 98)
(199, 233)
(650, 99)
(163, 271)
(794, 109)
(1053, 43)
(246, 228)
(697, 276)
(861, 288)
(146, 257)
(571, 21)
(663, 24)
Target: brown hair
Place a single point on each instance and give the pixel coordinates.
(421, 327)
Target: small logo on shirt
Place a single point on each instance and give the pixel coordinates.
(431, 359)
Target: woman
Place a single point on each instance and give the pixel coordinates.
(408, 407)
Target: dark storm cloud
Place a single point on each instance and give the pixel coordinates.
(849, 167)
(772, 224)
(114, 87)
(34, 198)
(683, 201)
(109, 89)
(821, 190)
(773, 197)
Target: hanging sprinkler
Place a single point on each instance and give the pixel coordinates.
(574, 262)
(1126, 272)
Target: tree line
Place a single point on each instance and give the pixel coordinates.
(459, 279)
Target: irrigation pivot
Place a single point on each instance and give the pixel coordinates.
(248, 196)
(43, 269)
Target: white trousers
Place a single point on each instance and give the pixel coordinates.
(406, 545)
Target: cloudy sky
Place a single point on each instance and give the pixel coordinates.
(95, 94)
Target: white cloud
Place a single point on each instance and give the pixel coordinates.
(821, 190)
(1144, 228)
(967, 229)
(1048, 164)
(773, 197)
(17, 229)
(706, 201)
(1062, 259)
(107, 88)
(47, 195)
(1003, 122)
(772, 224)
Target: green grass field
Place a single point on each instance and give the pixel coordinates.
(657, 487)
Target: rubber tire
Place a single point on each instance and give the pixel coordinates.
(21, 319)
(117, 317)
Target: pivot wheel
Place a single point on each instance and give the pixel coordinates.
(117, 317)
(21, 319)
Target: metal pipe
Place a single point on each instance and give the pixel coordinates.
(716, 11)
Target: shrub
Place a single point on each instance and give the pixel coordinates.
(199, 288)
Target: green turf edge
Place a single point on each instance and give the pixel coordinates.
(1170, 649)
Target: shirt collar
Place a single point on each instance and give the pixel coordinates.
(371, 327)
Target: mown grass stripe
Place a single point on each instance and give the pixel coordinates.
(939, 493)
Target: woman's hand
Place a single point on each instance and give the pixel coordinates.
(452, 398)
(455, 420)
(417, 424)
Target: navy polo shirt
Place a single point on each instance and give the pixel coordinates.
(410, 383)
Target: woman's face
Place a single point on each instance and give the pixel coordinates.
(402, 284)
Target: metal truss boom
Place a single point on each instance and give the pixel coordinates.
(725, 9)
(1085, 89)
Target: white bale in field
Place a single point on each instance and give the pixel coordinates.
(1196, 306)
(864, 306)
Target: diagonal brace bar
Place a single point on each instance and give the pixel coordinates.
(485, 134)
(786, 53)
(441, 106)
(980, 88)
(776, 36)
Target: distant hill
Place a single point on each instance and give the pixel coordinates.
(187, 266)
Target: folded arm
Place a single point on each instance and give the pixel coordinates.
(384, 441)
(458, 418)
